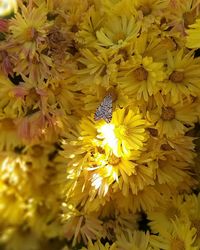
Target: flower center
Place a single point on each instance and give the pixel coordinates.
(141, 74)
(189, 18)
(113, 160)
(119, 36)
(124, 53)
(176, 76)
(33, 94)
(168, 114)
(153, 132)
(166, 147)
(146, 10)
(37, 151)
(196, 224)
(32, 34)
(172, 212)
(74, 28)
(177, 244)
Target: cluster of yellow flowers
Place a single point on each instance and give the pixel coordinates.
(69, 177)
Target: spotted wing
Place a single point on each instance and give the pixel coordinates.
(104, 110)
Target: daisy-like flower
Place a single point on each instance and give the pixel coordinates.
(99, 246)
(92, 22)
(173, 172)
(181, 14)
(117, 31)
(174, 119)
(183, 76)
(171, 209)
(183, 148)
(126, 132)
(100, 68)
(29, 30)
(135, 240)
(181, 237)
(140, 77)
(192, 40)
(150, 11)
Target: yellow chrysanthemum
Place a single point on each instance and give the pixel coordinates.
(117, 31)
(181, 14)
(182, 237)
(98, 68)
(172, 172)
(126, 132)
(182, 76)
(174, 119)
(150, 11)
(193, 35)
(140, 77)
(29, 29)
(171, 209)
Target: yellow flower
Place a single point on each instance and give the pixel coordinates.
(171, 209)
(181, 237)
(150, 11)
(182, 76)
(133, 240)
(172, 172)
(140, 77)
(181, 14)
(117, 31)
(98, 68)
(173, 119)
(99, 246)
(29, 29)
(125, 133)
(193, 35)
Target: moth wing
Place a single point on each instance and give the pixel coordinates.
(104, 110)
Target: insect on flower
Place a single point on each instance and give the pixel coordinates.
(104, 110)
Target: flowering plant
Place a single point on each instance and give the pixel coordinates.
(99, 114)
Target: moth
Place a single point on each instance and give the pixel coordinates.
(104, 110)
